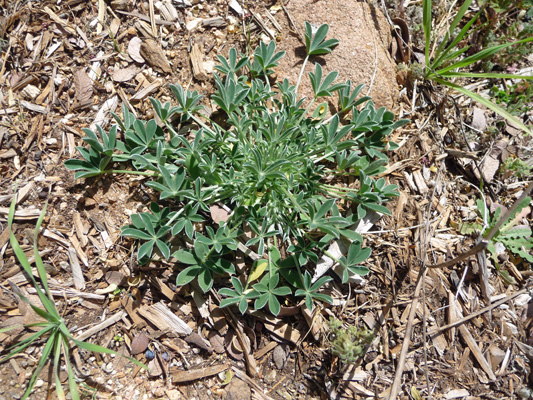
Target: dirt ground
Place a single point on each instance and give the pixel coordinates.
(62, 70)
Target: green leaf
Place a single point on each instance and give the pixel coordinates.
(426, 23)
(185, 257)
(273, 305)
(188, 274)
(315, 44)
(205, 280)
(259, 267)
(481, 55)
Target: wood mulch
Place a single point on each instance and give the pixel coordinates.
(456, 332)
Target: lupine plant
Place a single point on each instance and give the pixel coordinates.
(278, 164)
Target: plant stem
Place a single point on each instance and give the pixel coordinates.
(202, 124)
(300, 75)
(327, 253)
(124, 171)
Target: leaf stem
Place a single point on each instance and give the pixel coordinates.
(124, 171)
(300, 75)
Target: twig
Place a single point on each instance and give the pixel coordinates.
(258, 389)
(251, 365)
(408, 330)
(477, 313)
(395, 388)
(152, 18)
(95, 329)
(293, 24)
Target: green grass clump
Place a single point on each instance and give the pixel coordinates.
(53, 330)
(445, 59)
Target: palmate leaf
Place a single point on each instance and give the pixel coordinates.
(350, 262)
(230, 65)
(86, 169)
(266, 58)
(347, 98)
(315, 43)
(324, 87)
(188, 102)
(310, 291)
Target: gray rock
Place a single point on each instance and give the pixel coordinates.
(362, 56)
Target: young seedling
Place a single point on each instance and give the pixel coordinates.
(53, 330)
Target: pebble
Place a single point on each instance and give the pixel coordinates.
(279, 356)
(107, 368)
(271, 377)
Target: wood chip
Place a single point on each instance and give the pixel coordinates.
(471, 342)
(95, 329)
(162, 317)
(154, 56)
(197, 63)
(216, 22)
(102, 116)
(420, 182)
(180, 376)
(77, 274)
(456, 394)
(125, 74)
(33, 107)
(72, 293)
(7, 154)
(59, 21)
(134, 50)
(145, 92)
(27, 214)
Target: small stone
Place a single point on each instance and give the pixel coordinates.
(150, 355)
(280, 357)
(237, 390)
(39, 383)
(173, 394)
(31, 92)
(270, 377)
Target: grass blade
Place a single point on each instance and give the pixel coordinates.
(487, 75)
(47, 350)
(426, 22)
(460, 14)
(21, 257)
(73, 385)
(489, 104)
(442, 55)
(481, 55)
(99, 349)
(57, 359)
(38, 260)
(458, 17)
(17, 348)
